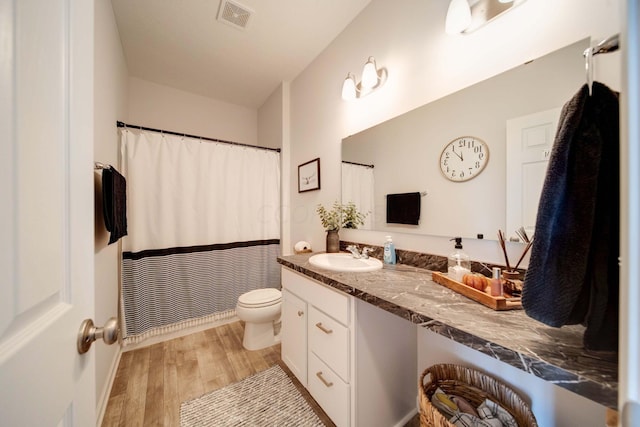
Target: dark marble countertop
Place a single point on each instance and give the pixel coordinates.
(553, 354)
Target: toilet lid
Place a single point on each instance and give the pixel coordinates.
(260, 297)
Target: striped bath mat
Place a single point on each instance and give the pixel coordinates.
(268, 398)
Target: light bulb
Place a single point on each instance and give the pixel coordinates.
(349, 88)
(458, 16)
(369, 74)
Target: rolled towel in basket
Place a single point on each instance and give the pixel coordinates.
(490, 409)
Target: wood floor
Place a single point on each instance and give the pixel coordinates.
(152, 382)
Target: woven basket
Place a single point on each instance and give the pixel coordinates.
(472, 385)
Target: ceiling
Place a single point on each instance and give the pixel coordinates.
(182, 44)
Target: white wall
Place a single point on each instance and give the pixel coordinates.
(273, 131)
(110, 94)
(163, 107)
(423, 63)
(270, 123)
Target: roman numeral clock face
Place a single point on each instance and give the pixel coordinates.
(464, 158)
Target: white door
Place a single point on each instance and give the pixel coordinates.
(46, 211)
(529, 142)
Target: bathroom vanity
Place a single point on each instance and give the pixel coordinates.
(383, 313)
(333, 342)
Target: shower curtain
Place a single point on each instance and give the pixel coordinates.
(358, 187)
(204, 228)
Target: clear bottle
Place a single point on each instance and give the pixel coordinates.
(389, 254)
(496, 283)
(459, 263)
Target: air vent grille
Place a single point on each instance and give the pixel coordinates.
(234, 14)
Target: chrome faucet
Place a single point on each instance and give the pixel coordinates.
(354, 251)
(365, 252)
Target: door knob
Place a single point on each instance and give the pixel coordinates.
(88, 333)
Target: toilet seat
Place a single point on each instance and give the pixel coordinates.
(260, 298)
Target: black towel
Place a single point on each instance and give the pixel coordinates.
(573, 274)
(114, 203)
(403, 208)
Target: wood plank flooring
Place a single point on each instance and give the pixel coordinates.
(152, 382)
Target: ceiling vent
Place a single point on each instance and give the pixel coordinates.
(234, 14)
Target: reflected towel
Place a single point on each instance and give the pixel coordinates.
(114, 203)
(403, 208)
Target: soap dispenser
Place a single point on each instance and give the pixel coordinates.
(459, 263)
(389, 253)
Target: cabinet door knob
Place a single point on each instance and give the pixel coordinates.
(300, 313)
(323, 329)
(325, 382)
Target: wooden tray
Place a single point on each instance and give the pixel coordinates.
(495, 303)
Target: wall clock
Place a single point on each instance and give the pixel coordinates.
(464, 158)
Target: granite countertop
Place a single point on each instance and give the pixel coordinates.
(554, 354)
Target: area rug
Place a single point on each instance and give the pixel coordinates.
(268, 398)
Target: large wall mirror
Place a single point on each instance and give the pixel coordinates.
(514, 113)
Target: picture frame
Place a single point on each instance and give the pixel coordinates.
(309, 176)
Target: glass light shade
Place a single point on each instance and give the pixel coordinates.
(458, 16)
(369, 74)
(349, 88)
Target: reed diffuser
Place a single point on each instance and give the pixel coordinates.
(513, 273)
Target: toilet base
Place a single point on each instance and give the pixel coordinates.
(259, 335)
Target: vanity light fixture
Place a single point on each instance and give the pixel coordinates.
(371, 80)
(458, 17)
(464, 16)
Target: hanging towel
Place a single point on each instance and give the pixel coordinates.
(403, 208)
(114, 203)
(573, 270)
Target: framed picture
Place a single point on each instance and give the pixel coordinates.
(309, 176)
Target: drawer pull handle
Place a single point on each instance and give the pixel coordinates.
(300, 313)
(323, 329)
(325, 382)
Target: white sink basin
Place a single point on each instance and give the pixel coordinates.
(345, 262)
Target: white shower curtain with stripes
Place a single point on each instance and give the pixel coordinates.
(203, 228)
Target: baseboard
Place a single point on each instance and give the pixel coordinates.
(106, 392)
(407, 418)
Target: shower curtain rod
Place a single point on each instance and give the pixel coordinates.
(204, 138)
(358, 164)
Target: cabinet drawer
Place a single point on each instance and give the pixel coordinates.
(331, 393)
(332, 302)
(329, 340)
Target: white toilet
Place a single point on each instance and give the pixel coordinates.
(260, 311)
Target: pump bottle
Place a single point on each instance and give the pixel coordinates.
(458, 263)
(389, 253)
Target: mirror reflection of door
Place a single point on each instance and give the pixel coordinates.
(529, 142)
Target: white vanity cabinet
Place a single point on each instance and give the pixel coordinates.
(317, 344)
(356, 360)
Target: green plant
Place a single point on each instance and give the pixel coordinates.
(340, 216)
